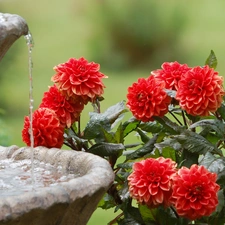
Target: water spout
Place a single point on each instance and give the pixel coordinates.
(12, 27)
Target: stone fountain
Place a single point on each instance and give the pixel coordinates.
(70, 202)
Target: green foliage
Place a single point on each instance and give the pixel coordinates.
(183, 138)
(104, 135)
(211, 60)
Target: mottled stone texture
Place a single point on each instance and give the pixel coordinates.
(11, 28)
(68, 203)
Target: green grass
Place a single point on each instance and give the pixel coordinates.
(63, 29)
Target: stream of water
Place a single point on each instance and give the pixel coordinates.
(30, 44)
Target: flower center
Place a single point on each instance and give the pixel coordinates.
(191, 84)
(195, 193)
(153, 177)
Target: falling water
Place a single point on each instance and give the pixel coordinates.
(30, 45)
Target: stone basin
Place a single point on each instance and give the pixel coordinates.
(67, 203)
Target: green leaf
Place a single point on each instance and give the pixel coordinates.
(169, 126)
(166, 217)
(126, 165)
(153, 127)
(221, 111)
(144, 137)
(213, 124)
(169, 142)
(106, 202)
(212, 163)
(130, 126)
(169, 152)
(146, 149)
(188, 158)
(113, 113)
(215, 165)
(147, 214)
(107, 149)
(119, 134)
(124, 192)
(103, 121)
(107, 136)
(221, 201)
(195, 143)
(211, 60)
(218, 218)
(95, 125)
(133, 212)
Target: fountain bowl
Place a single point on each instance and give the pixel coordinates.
(67, 203)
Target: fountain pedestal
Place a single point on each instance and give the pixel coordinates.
(67, 203)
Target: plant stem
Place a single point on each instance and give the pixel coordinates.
(176, 118)
(184, 119)
(79, 127)
(115, 219)
(174, 211)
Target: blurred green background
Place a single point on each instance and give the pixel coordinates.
(129, 38)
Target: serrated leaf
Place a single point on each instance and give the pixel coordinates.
(221, 201)
(169, 152)
(215, 165)
(151, 127)
(144, 137)
(106, 202)
(119, 134)
(95, 125)
(130, 126)
(106, 149)
(146, 149)
(213, 124)
(169, 142)
(212, 163)
(124, 192)
(147, 214)
(188, 158)
(166, 216)
(169, 126)
(195, 143)
(218, 218)
(134, 213)
(113, 113)
(221, 111)
(108, 137)
(106, 121)
(126, 165)
(211, 61)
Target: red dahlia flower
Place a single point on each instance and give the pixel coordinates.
(47, 129)
(195, 192)
(67, 110)
(147, 99)
(171, 74)
(79, 77)
(150, 182)
(200, 91)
